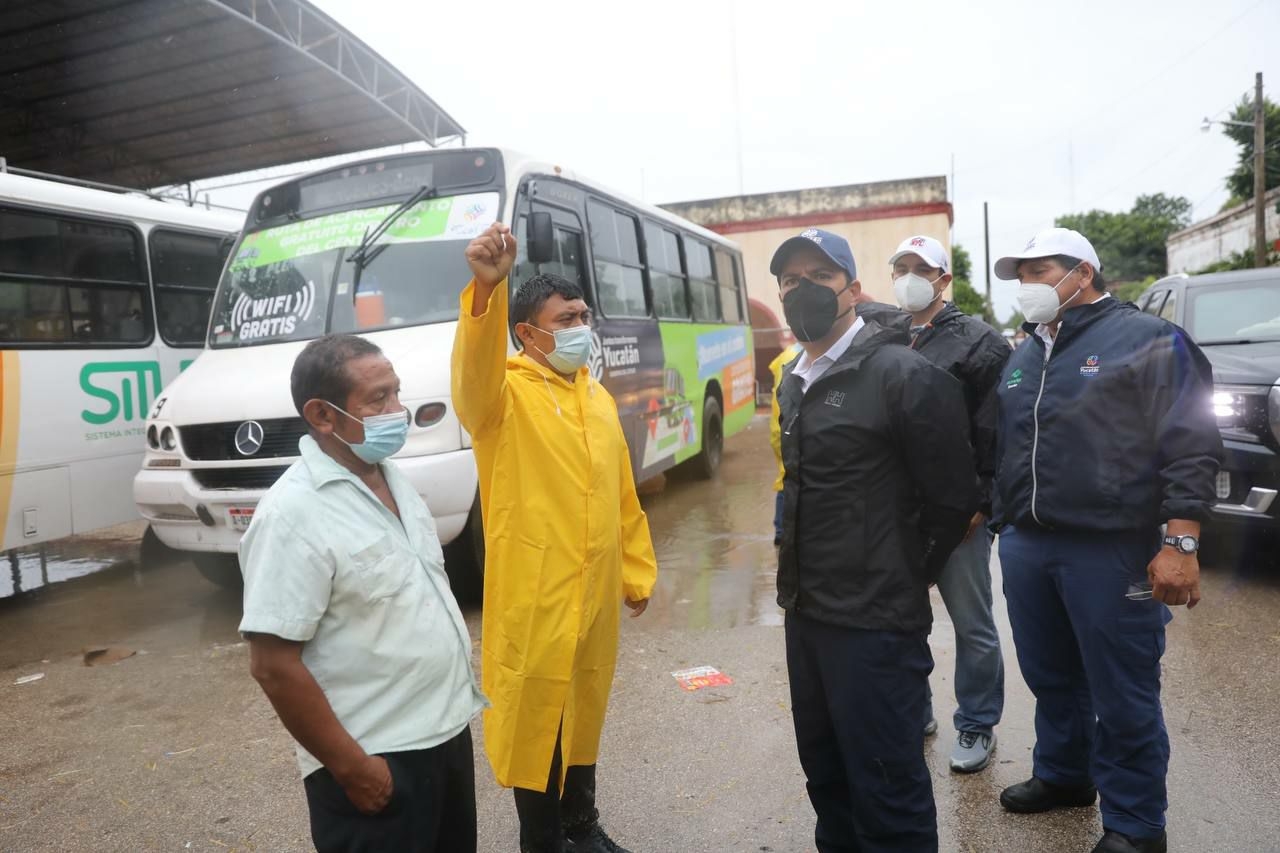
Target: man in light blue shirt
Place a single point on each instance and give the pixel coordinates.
(353, 632)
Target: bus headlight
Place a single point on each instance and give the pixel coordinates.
(169, 439)
(153, 437)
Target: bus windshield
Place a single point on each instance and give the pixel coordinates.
(294, 281)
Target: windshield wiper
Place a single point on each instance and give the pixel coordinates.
(366, 252)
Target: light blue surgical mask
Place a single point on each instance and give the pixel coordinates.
(384, 435)
(573, 348)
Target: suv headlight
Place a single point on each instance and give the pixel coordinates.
(1241, 411)
(1229, 407)
(1273, 409)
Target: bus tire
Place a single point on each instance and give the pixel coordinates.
(707, 463)
(464, 559)
(220, 569)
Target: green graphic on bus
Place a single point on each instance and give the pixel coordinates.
(126, 387)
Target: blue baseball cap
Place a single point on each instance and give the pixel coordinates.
(833, 246)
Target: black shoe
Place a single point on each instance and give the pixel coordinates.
(1116, 842)
(592, 840)
(1036, 795)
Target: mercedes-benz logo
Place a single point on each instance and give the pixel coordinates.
(249, 438)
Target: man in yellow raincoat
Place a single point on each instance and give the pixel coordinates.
(565, 540)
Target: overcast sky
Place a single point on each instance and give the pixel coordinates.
(1047, 108)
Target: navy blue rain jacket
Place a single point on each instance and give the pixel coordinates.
(1115, 431)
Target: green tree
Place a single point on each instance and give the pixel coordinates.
(1132, 245)
(963, 294)
(1240, 181)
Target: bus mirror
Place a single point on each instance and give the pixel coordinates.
(542, 239)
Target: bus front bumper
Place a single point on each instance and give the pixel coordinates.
(188, 517)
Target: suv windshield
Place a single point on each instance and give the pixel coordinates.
(1226, 314)
(293, 282)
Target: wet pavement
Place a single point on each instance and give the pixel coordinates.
(175, 748)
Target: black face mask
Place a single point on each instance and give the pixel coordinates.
(811, 309)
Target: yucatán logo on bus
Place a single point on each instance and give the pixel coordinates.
(1090, 366)
(271, 316)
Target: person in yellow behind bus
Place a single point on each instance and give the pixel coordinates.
(775, 433)
(565, 541)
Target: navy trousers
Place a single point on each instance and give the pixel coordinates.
(1092, 659)
(857, 698)
(432, 807)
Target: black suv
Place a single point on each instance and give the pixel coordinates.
(1235, 318)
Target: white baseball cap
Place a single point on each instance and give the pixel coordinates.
(1046, 244)
(926, 247)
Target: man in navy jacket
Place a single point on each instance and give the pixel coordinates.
(1106, 432)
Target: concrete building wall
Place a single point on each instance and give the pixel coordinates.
(873, 242)
(1218, 237)
(874, 218)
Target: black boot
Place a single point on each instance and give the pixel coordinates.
(591, 839)
(1036, 795)
(1118, 842)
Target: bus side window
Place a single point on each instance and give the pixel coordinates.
(71, 281)
(727, 275)
(666, 278)
(702, 282)
(615, 246)
(567, 262)
(185, 270)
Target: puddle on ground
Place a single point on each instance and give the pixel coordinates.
(25, 570)
(717, 566)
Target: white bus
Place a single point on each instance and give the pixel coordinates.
(377, 248)
(104, 299)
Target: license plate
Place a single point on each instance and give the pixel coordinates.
(240, 516)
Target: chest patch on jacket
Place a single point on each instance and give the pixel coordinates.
(1090, 366)
(1015, 378)
(835, 398)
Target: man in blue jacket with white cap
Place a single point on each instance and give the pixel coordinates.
(1105, 433)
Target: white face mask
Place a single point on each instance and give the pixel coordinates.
(914, 293)
(1039, 301)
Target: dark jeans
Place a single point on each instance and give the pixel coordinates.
(1092, 658)
(547, 817)
(432, 808)
(857, 698)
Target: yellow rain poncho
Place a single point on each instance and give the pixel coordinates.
(775, 427)
(565, 541)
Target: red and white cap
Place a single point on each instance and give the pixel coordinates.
(926, 247)
(1046, 244)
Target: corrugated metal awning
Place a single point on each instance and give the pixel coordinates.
(154, 92)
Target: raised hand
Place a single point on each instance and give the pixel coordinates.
(491, 255)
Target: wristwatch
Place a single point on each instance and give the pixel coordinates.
(1185, 544)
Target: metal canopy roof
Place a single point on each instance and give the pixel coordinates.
(155, 92)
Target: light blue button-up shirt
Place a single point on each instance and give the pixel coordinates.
(327, 564)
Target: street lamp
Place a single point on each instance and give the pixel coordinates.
(1209, 123)
(1259, 169)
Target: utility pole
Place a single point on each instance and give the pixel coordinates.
(986, 252)
(1259, 176)
(737, 99)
